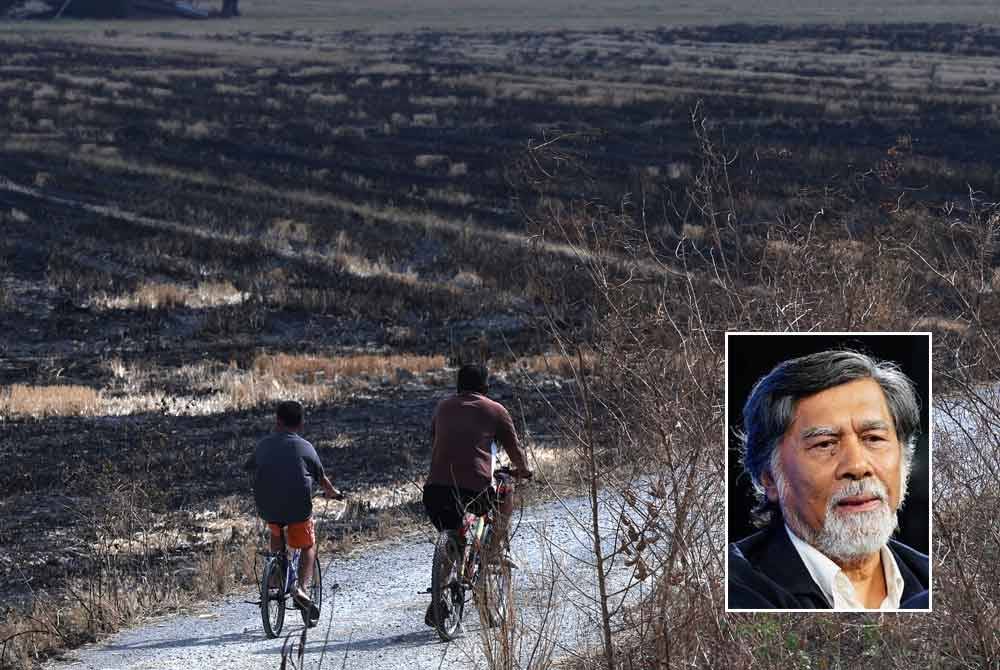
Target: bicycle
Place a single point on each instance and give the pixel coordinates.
(277, 584)
(452, 579)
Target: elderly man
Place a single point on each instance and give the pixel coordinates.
(828, 443)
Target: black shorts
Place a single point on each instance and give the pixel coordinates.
(447, 505)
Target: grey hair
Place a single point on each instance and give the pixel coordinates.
(770, 409)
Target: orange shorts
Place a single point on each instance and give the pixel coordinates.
(301, 535)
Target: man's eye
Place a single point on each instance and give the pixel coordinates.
(826, 444)
(874, 438)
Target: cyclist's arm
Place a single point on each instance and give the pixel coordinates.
(331, 490)
(315, 467)
(506, 436)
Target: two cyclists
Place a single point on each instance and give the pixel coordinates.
(464, 429)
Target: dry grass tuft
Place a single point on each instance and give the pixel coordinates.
(241, 390)
(558, 364)
(157, 295)
(44, 401)
(315, 368)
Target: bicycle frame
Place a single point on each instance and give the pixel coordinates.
(291, 565)
(475, 529)
(459, 566)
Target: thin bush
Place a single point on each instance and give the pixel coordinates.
(649, 410)
(119, 577)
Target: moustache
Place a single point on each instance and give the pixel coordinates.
(863, 488)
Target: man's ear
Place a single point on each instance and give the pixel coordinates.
(770, 487)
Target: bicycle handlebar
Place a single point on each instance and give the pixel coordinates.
(516, 474)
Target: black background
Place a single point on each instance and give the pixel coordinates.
(751, 356)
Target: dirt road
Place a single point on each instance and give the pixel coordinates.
(374, 621)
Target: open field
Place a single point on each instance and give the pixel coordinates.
(250, 210)
(400, 16)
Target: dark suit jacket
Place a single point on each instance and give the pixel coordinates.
(766, 572)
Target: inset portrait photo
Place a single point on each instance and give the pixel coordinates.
(828, 471)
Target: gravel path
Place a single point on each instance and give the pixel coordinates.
(376, 618)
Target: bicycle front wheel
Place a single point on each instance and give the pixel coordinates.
(272, 597)
(447, 591)
(495, 595)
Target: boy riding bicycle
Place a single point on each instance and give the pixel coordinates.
(285, 467)
(463, 430)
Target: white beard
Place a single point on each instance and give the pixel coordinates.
(845, 538)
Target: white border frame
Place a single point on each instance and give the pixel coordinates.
(930, 467)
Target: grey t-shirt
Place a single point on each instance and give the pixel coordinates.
(286, 467)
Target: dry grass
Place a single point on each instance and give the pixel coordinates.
(323, 99)
(157, 295)
(130, 580)
(316, 368)
(242, 390)
(217, 388)
(44, 401)
(558, 364)
(428, 160)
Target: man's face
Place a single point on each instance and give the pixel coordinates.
(839, 476)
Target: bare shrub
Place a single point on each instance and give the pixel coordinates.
(133, 566)
(645, 419)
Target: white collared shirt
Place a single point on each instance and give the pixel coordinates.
(837, 587)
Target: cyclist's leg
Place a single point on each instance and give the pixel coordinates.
(498, 509)
(302, 535)
(277, 542)
(276, 545)
(444, 510)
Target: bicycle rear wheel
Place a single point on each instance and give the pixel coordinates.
(447, 592)
(272, 596)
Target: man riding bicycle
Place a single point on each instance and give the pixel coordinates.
(464, 429)
(285, 467)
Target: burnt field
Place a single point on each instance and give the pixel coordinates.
(340, 218)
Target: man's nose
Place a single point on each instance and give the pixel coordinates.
(854, 463)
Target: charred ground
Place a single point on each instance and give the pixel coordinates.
(170, 219)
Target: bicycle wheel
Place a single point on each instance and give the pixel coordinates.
(315, 593)
(447, 592)
(494, 594)
(272, 598)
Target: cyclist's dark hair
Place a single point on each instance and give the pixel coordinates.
(473, 379)
(290, 413)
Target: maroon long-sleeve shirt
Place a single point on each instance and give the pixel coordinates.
(463, 427)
